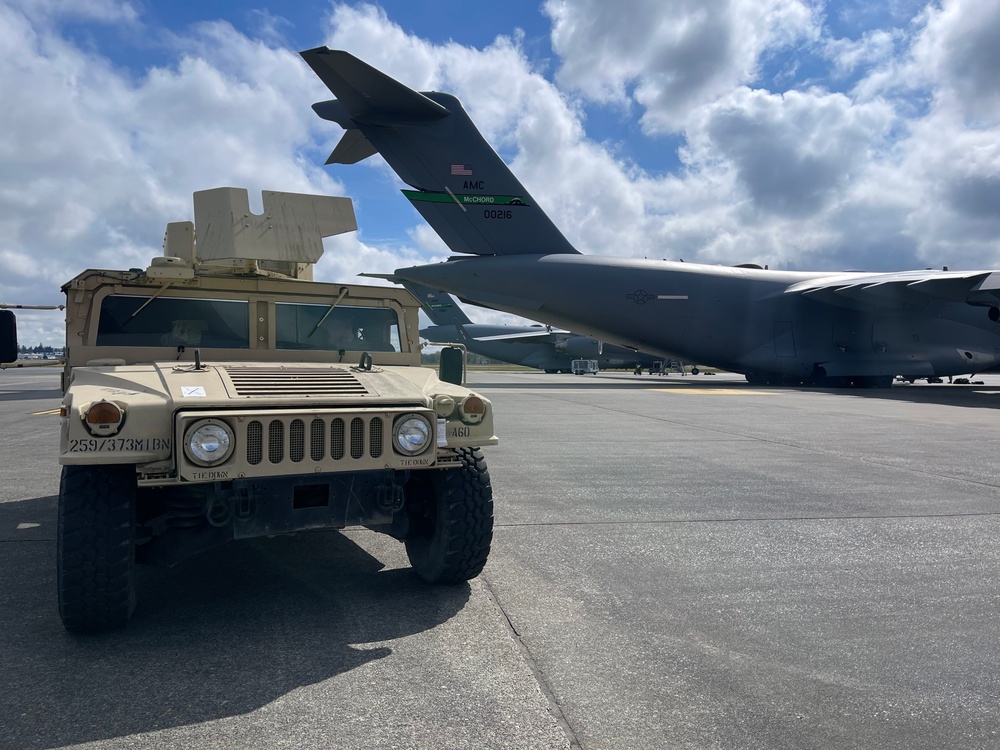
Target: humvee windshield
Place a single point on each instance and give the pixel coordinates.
(129, 320)
(301, 326)
(164, 321)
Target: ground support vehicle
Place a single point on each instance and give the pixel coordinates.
(221, 394)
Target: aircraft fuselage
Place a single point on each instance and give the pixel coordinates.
(702, 314)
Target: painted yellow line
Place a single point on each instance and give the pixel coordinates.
(715, 391)
(49, 411)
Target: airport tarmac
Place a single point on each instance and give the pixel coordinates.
(677, 563)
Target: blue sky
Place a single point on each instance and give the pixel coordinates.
(798, 133)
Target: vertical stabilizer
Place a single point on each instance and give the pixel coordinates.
(462, 187)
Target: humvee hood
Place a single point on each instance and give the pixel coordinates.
(255, 384)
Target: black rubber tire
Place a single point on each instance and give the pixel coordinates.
(95, 550)
(451, 520)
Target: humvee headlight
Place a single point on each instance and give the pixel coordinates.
(209, 442)
(103, 418)
(473, 409)
(412, 434)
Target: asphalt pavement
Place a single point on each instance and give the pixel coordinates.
(678, 563)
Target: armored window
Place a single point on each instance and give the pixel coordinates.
(173, 321)
(322, 327)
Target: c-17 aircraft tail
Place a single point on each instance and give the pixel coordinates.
(433, 145)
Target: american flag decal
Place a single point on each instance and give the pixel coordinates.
(461, 170)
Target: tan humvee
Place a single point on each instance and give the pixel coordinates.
(222, 394)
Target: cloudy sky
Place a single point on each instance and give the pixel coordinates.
(802, 134)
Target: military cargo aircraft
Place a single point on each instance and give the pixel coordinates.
(536, 346)
(839, 329)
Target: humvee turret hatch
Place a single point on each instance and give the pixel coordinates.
(222, 394)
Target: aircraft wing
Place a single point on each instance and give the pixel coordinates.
(532, 334)
(881, 290)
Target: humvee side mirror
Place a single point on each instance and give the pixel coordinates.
(452, 368)
(8, 337)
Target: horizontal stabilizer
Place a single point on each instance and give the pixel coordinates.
(387, 276)
(368, 94)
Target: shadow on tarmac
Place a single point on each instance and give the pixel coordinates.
(218, 635)
(55, 395)
(944, 394)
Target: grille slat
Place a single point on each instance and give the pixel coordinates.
(337, 439)
(375, 438)
(357, 437)
(255, 443)
(276, 441)
(297, 440)
(261, 382)
(317, 439)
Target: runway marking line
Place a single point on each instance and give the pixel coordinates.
(47, 411)
(714, 391)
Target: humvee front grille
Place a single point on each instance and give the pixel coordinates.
(356, 437)
(264, 382)
(287, 442)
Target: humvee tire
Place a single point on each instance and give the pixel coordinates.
(451, 520)
(96, 547)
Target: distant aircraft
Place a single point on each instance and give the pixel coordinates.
(839, 329)
(533, 346)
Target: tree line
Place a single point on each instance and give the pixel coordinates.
(40, 349)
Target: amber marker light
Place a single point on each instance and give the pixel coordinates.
(103, 418)
(473, 410)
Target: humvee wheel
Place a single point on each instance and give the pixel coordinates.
(451, 520)
(95, 547)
